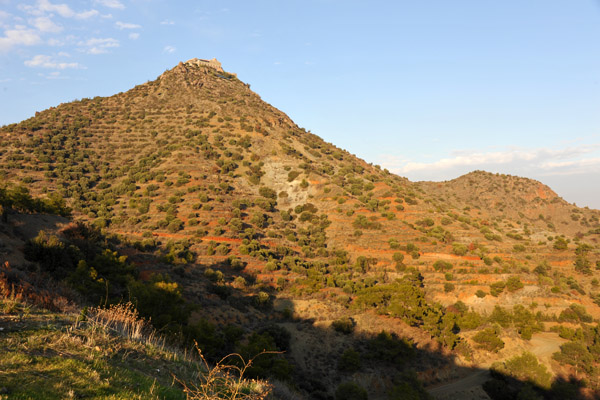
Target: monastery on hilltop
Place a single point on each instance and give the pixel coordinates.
(214, 63)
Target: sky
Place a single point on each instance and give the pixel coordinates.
(429, 89)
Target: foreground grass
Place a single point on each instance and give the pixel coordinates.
(44, 355)
(53, 356)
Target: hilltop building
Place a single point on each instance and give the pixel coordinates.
(214, 63)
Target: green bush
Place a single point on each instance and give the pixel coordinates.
(344, 325)
(497, 288)
(440, 265)
(488, 340)
(560, 243)
(459, 249)
(350, 391)
(514, 283)
(349, 361)
(575, 313)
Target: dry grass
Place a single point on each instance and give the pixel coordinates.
(226, 380)
(122, 319)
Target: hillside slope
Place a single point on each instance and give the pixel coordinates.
(256, 221)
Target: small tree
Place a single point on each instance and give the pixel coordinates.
(489, 340)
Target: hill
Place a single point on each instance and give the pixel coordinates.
(264, 236)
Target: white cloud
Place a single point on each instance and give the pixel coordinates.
(45, 24)
(169, 49)
(19, 35)
(167, 22)
(3, 17)
(42, 61)
(111, 4)
(44, 6)
(134, 36)
(541, 161)
(127, 25)
(55, 42)
(99, 45)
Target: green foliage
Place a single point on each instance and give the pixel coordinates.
(441, 266)
(388, 347)
(293, 175)
(575, 313)
(514, 283)
(350, 391)
(469, 320)
(496, 288)
(448, 287)
(19, 199)
(408, 387)
(178, 252)
(161, 301)
(175, 225)
(267, 192)
(500, 316)
(362, 222)
(344, 325)
(488, 339)
(560, 243)
(575, 354)
(264, 365)
(262, 300)
(349, 361)
(403, 298)
(525, 322)
(459, 249)
(583, 265)
(398, 257)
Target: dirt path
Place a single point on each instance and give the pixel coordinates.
(544, 344)
(468, 388)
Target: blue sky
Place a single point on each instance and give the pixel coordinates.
(429, 89)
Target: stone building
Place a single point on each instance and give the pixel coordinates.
(206, 63)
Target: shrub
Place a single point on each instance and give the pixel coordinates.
(349, 361)
(575, 313)
(344, 325)
(497, 288)
(448, 287)
(518, 248)
(175, 226)
(560, 243)
(262, 300)
(459, 249)
(350, 391)
(440, 265)
(267, 192)
(514, 283)
(488, 340)
(362, 222)
(398, 257)
(388, 347)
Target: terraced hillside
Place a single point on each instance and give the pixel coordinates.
(266, 232)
